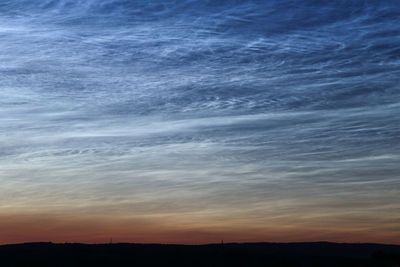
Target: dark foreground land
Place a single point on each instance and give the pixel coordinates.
(244, 254)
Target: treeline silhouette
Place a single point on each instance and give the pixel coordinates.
(232, 254)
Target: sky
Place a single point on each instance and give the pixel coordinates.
(199, 121)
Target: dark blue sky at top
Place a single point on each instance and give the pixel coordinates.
(246, 107)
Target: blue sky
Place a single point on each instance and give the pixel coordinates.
(243, 121)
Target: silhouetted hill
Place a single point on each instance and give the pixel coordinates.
(233, 254)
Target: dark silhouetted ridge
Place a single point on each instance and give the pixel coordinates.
(232, 254)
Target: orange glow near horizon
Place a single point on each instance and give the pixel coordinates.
(17, 228)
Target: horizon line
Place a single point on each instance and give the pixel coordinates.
(201, 244)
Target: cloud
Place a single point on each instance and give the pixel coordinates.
(216, 114)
